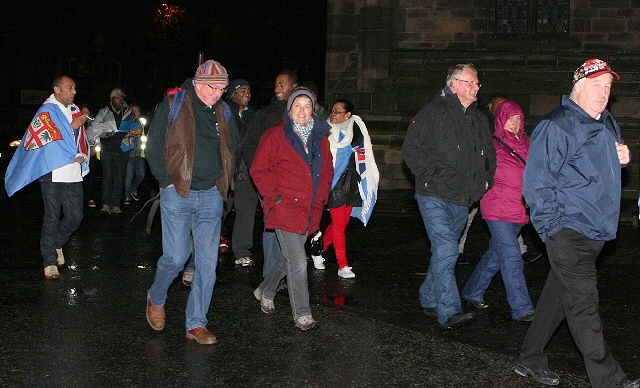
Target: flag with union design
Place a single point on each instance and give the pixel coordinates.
(41, 132)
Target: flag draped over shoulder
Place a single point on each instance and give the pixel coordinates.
(369, 176)
(131, 125)
(49, 143)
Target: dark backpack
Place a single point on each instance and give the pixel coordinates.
(178, 101)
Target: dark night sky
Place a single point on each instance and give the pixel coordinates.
(252, 39)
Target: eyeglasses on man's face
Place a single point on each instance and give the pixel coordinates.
(472, 83)
(221, 90)
(338, 112)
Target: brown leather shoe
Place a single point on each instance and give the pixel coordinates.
(155, 315)
(202, 336)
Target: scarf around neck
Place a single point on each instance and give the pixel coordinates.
(303, 131)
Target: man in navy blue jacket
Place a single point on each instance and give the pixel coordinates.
(572, 186)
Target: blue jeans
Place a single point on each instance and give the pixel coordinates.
(504, 256)
(293, 264)
(199, 215)
(444, 222)
(136, 170)
(55, 233)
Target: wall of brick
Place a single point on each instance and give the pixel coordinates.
(391, 56)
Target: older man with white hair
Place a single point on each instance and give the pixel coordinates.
(572, 185)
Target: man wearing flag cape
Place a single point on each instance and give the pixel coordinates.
(55, 150)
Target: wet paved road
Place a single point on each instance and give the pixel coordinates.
(88, 328)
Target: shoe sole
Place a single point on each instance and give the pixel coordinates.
(193, 337)
(307, 327)
(266, 310)
(469, 318)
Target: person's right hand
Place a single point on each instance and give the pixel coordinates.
(78, 121)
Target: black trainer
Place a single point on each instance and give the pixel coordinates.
(626, 383)
(543, 376)
(459, 320)
(431, 312)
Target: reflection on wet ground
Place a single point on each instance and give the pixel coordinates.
(88, 328)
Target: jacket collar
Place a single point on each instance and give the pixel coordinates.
(568, 103)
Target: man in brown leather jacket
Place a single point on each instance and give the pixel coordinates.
(190, 151)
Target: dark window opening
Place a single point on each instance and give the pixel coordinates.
(532, 17)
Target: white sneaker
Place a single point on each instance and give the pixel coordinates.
(305, 322)
(317, 261)
(266, 305)
(346, 273)
(245, 262)
(51, 272)
(60, 257)
(187, 278)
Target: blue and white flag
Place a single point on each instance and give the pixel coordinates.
(49, 143)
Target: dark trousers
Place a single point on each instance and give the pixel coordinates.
(57, 197)
(114, 169)
(245, 200)
(570, 292)
(89, 180)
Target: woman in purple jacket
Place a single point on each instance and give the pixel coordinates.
(505, 212)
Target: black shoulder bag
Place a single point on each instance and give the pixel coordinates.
(511, 150)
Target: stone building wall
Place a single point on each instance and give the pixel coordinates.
(391, 56)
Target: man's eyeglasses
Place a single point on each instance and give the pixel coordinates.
(338, 112)
(218, 89)
(472, 83)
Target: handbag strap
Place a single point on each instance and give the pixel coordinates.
(511, 150)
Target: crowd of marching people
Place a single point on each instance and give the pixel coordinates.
(300, 163)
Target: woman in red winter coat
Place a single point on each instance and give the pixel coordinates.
(505, 212)
(292, 169)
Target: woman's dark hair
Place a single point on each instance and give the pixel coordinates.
(348, 105)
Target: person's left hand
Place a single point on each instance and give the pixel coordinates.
(623, 153)
(79, 159)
